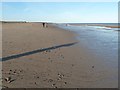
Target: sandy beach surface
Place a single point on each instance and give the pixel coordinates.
(37, 57)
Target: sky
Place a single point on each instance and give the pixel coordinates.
(61, 12)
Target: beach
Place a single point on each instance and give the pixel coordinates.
(50, 57)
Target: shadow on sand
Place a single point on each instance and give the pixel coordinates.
(35, 51)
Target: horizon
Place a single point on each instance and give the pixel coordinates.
(61, 12)
(59, 22)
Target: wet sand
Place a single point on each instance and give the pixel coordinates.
(49, 58)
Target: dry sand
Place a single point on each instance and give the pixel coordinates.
(65, 66)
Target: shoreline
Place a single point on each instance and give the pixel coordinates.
(101, 25)
(49, 59)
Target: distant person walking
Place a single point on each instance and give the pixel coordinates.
(43, 24)
(46, 25)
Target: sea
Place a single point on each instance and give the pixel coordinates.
(100, 40)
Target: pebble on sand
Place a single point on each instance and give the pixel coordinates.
(53, 84)
(9, 79)
(65, 82)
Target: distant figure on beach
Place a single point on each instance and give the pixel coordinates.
(43, 24)
(46, 25)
